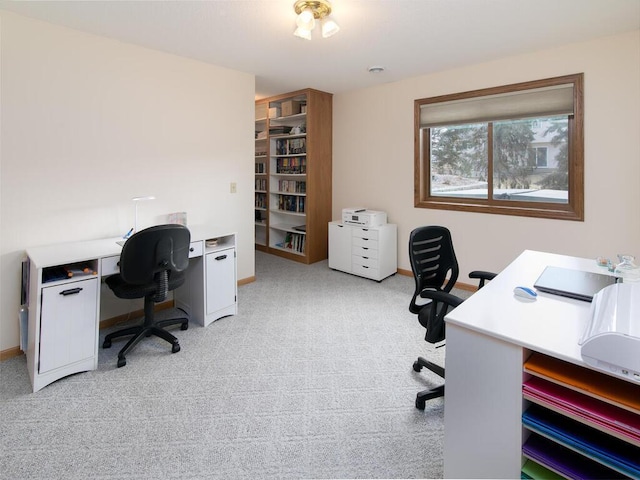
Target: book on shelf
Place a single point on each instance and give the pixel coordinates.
(294, 241)
(261, 200)
(291, 203)
(279, 130)
(292, 165)
(293, 186)
(291, 146)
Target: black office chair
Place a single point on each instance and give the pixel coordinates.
(435, 270)
(153, 262)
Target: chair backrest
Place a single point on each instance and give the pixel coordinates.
(162, 248)
(433, 261)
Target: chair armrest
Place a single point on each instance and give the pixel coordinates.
(432, 315)
(482, 276)
(444, 297)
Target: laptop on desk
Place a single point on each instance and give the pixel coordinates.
(576, 284)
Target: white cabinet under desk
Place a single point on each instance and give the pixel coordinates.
(370, 252)
(210, 291)
(64, 297)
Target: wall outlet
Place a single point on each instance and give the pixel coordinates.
(233, 187)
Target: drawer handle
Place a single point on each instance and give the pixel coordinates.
(221, 257)
(364, 266)
(365, 248)
(191, 249)
(366, 239)
(366, 258)
(71, 291)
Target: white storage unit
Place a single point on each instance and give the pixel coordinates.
(370, 252)
(212, 263)
(64, 303)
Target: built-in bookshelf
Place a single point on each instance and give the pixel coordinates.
(293, 175)
(261, 174)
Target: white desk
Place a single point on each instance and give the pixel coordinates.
(64, 315)
(489, 337)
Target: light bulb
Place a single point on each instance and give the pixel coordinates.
(303, 33)
(329, 27)
(305, 19)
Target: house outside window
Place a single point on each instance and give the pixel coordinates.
(515, 150)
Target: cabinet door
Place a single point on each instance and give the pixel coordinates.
(220, 279)
(340, 247)
(68, 323)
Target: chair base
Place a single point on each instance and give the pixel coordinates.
(423, 396)
(430, 393)
(147, 329)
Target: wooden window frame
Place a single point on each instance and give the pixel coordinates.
(573, 210)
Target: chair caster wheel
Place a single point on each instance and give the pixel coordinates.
(420, 404)
(175, 348)
(416, 368)
(184, 326)
(106, 344)
(122, 362)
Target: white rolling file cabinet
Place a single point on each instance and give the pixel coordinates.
(370, 252)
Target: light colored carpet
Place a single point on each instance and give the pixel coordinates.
(312, 379)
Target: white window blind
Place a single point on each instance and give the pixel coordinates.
(536, 102)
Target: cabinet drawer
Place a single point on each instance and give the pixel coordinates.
(365, 233)
(110, 265)
(195, 249)
(364, 242)
(366, 271)
(365, 252)
(365, 261)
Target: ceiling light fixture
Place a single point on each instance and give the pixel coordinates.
(308, 12)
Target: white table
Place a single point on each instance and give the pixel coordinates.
(489, 337)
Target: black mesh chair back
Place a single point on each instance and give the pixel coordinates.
(153, 262)
(433, 262)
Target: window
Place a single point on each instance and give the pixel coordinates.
(514, 150)
(538, 156)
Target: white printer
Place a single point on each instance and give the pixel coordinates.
(611, 341)
(363, 217)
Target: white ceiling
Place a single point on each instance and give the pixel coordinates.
(406, 37)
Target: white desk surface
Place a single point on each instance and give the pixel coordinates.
(551, 324)
(71, 252)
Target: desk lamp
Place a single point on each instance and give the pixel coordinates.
(136, 200)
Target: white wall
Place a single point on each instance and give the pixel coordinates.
(373, 156)
(89, 122)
